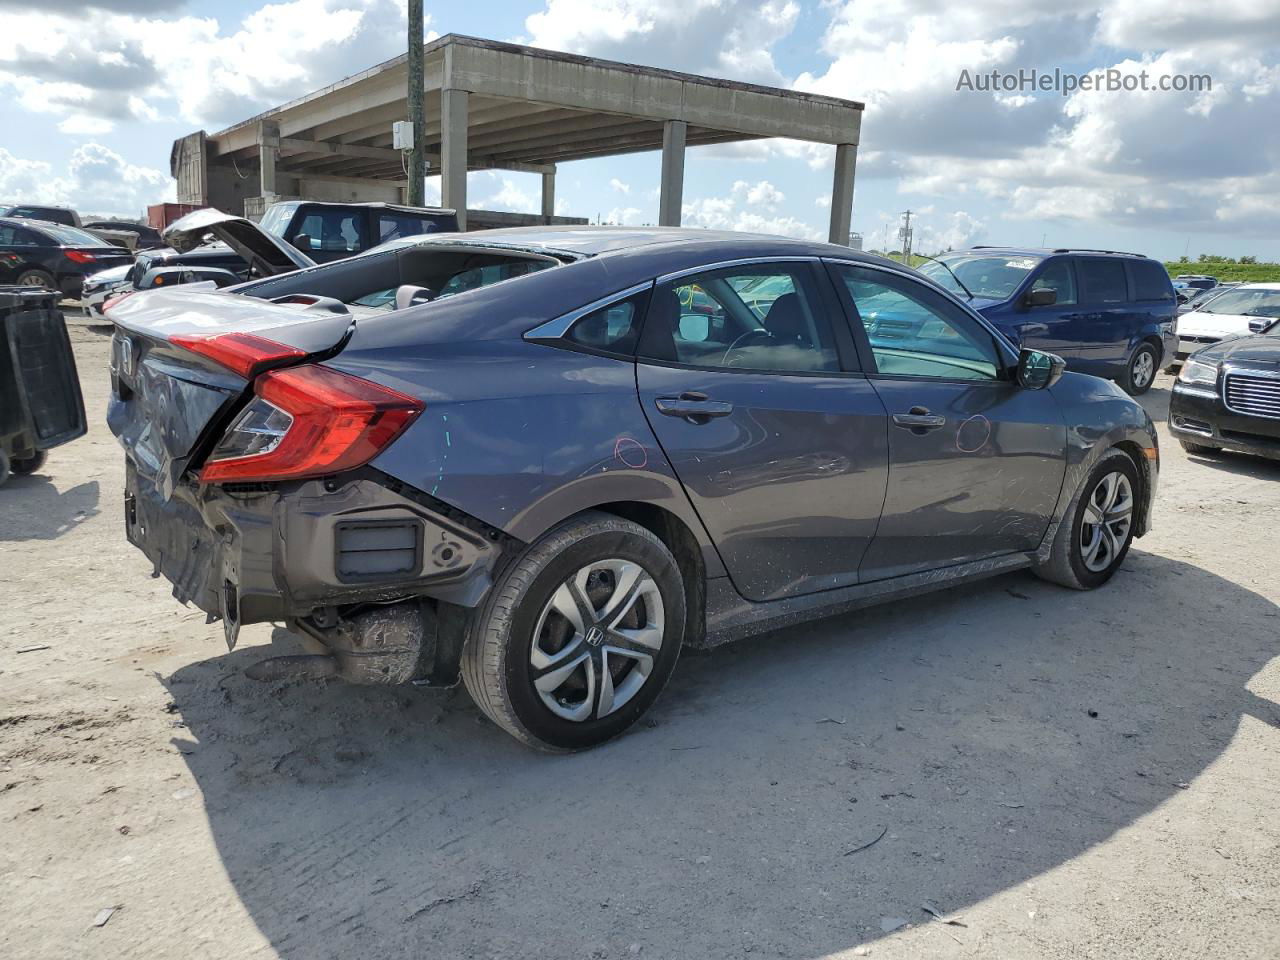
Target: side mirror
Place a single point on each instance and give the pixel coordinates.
(409, 295)
(1041, 298)
(1037, 369)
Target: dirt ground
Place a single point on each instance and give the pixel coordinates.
(1074, 775)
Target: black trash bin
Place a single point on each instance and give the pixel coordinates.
(40, 401)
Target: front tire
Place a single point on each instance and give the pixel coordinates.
(1140, 374)
(1097, 530)
(1199, 449)
(22, 466)
(36, 278)
(578, 636)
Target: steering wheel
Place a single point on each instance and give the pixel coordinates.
(754, 338)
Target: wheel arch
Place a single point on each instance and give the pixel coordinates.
(685, 548)
(1146, 481)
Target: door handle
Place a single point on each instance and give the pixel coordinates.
(694, 407)
(919, 418)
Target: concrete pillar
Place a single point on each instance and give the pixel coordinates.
(671, 188)
(268, 154)
(842, 193)
(453, 152)
(549, 194)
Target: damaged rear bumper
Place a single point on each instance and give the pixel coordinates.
(256, 553)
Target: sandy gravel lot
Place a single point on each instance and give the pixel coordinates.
(1074, 775)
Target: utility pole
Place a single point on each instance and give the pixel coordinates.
(417, 167)
(905, 233)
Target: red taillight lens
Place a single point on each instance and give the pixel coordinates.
(339, 422)
(243, 353)
(79, 256)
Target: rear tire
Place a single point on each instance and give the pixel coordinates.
(1199, 449)
(567, 681)
(1086, 553)
(36, 278)
(22, 466)
(1140, 374)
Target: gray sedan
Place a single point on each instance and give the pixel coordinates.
(546, 460)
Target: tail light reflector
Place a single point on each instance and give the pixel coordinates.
(79, 256)
(309, 421)
(244, 353)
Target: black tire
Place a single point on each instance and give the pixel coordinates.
(22, 466)
(1199, 449)
(496, 656)
(36, 278)
(4, 468)
(1140, 373)
(1066, 565)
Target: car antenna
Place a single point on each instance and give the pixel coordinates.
(925, 256)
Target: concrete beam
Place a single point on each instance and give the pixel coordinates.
(842, 193)
(671, 186)
(453, 152)
(292, 145)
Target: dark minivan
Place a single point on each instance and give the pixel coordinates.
(335, 231)
(1106, 313)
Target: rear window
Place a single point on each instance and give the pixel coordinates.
(342, 231)
(72, 236)
(1102, 281)
(1150, 281)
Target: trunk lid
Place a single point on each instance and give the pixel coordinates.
(265, 252)
(167, 402)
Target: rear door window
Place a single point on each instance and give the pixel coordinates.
(1150, 281)
(11, 236)
(1102, 280)
(611, 329)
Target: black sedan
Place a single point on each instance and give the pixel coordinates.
(41, 254)
(1227, 396)
(543, 461)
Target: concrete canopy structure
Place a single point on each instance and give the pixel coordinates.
(491, 105)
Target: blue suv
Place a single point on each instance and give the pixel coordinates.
(1106, 313)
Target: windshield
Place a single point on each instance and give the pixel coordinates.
(1246, 303)
(995, 277)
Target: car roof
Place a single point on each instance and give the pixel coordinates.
(1257, 286)
(372, 204)
(1053, 251)
(590, 241)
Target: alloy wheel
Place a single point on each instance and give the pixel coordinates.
(1108, 515)
(595, 641)
(1144, 369)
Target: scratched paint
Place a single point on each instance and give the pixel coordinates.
(444, 419)
(972, 435)
(631, 452)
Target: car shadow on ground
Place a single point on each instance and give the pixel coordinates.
(985, 736)
(32, 508)
(1240, 464)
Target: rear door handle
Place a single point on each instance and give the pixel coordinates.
(694, 407)
(919, 418)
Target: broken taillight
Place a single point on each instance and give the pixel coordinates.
(309, 421)
(244, 353)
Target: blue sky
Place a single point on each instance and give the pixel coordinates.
(94, 94)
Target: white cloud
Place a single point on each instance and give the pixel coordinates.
(128, 68)
(748, 208)
(508, 195)
(624, 216)
(96, 181)
(729, 38)
(619, 186)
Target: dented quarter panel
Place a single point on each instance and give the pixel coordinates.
(522, 436)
